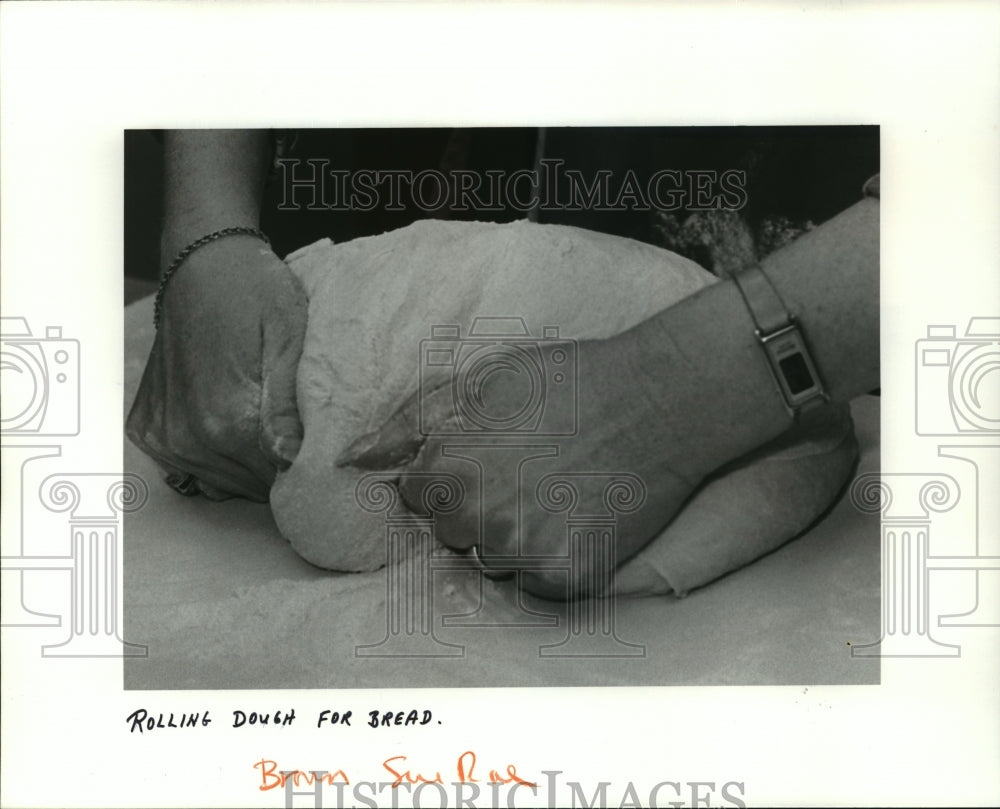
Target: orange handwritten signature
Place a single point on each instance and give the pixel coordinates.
(465, 772)
(465, 768)
(270, 778)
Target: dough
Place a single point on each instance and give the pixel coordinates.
(757, 503)
(371, 302)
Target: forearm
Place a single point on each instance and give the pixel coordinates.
(216, 407)
(703, 389)
(213, 179)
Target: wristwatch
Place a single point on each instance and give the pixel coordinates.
(783, 343)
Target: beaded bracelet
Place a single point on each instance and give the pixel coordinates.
(187, 251)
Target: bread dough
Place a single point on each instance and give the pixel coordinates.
(757, 503)
(371, 302)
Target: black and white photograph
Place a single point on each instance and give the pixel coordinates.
(424, 404)
(490, 448)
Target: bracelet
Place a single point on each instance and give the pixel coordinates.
(782, 342)
(187, 251)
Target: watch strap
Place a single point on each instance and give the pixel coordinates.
(766, 307)
(782, 342)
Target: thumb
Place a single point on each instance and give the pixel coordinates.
(282, 335)
(399, 440)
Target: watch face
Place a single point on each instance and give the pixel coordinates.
(793, 367)
(796, 373)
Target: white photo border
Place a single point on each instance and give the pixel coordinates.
(76, 75)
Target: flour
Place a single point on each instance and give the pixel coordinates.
(373, 300)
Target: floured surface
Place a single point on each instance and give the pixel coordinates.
(223, 602)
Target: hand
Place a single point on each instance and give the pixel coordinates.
(217, 398)
(669, 401)
(615, 435)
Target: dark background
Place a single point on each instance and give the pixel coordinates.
(801, 174)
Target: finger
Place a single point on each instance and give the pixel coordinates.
(185, 454)
(637, 578)
(400, 439)
(283, 333)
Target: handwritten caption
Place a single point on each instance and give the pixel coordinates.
(467, 772)
(143, 721)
